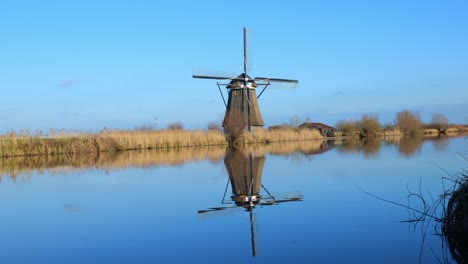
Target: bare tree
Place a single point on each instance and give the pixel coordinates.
(175, 126)
(370, 126)
(348, 128)
(295, 121)
(409, 122)
(440, 121)
(215, 126)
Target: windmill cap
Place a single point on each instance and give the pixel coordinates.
(238, 82)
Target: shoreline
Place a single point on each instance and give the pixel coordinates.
(108, 141)
(17, 145)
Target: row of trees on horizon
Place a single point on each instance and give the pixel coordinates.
(406, 122)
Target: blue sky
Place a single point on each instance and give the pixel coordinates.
(119, 64)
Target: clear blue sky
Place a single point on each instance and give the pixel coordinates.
(119, 64)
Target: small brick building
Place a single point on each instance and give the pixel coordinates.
(325, 130)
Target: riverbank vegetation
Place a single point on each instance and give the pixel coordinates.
(406, 123)
(24, 143)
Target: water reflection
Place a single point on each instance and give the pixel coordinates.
(446, 213)
(440, 144)
(369, 147)
(22, 168)
(407, 146)
(245, 170)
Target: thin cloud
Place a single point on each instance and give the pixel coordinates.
(67, 83)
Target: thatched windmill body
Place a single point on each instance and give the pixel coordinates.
(242, 109)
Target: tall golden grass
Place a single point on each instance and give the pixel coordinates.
(392, 132)
(451, 131)
(431, 132)
(278, 135)
(62, 142)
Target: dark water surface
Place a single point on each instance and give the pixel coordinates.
(186, 206)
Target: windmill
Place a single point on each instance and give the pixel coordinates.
(242, 109)
(245, 177)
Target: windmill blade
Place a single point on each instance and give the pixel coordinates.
(268, 79)
(220, 211)
(245, 50)
(277, 86)
(214, 75)
(210, 77)
(282, 198)
(250, 50)
(285, 200)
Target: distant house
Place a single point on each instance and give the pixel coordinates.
(325, 130)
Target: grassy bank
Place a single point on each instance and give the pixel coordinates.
(25, 144)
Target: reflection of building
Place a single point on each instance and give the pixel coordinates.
(245, 176)
(325, 130)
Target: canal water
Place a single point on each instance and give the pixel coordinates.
(303, 202)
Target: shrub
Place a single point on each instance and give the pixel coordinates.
(348, 128)
(370, 126)
(439, 121)
(215, 126)
(175, 126)
(409, 122)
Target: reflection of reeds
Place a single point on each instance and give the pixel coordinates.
(392, 140)
(24, 166)
(368, 146)
(283, 148)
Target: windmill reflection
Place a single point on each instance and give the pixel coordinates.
(245, 177)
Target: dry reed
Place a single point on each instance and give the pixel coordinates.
(55, 142)
(431, 132)
(280, 135)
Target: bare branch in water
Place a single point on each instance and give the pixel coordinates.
(395, 203)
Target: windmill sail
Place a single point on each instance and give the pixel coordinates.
(242, 109)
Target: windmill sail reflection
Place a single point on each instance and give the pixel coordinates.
(245, 177)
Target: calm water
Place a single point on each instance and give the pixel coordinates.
(185, 206)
